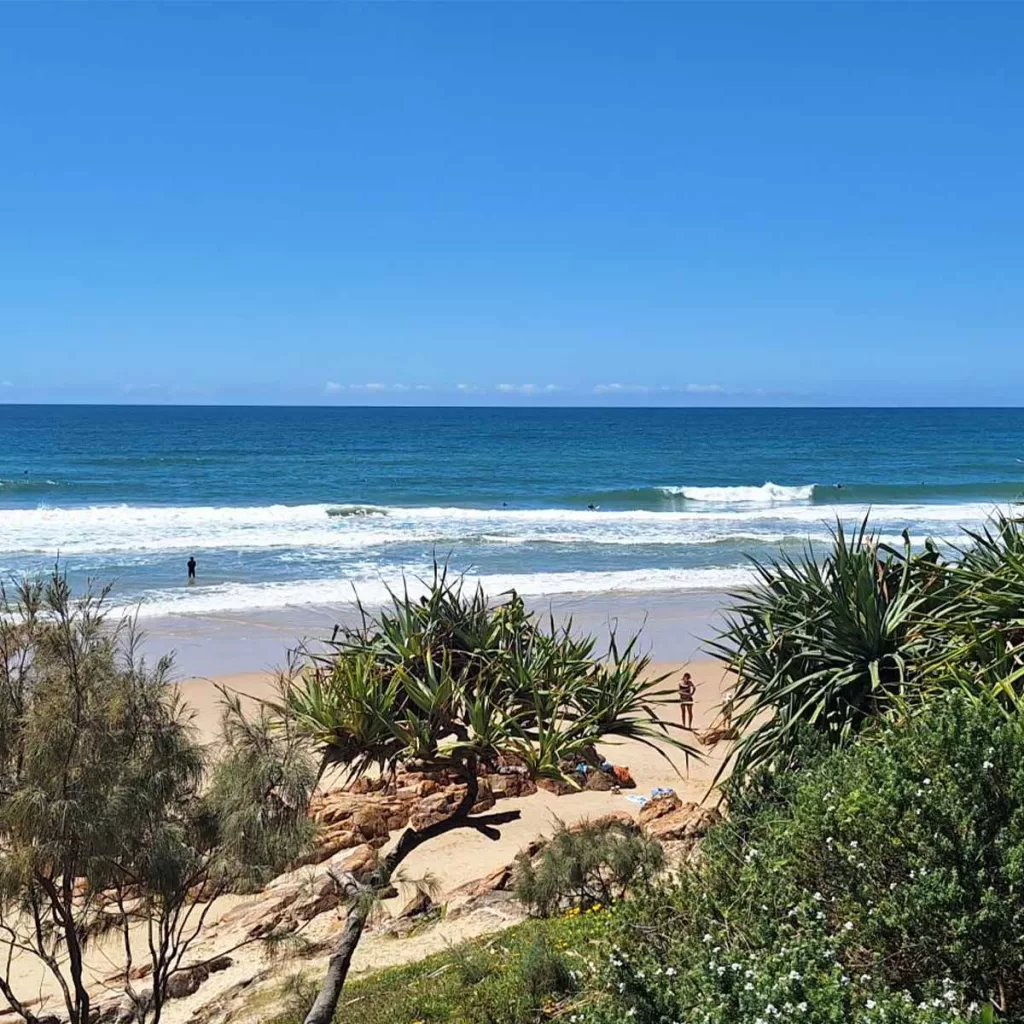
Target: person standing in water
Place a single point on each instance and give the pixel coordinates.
(192, 569)
(686, 692)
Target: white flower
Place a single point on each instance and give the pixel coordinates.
(670, 972)
(817, 896)
(853, 844)
(987, 764)
(802, 1007)
(848, 926)
(748, 987)
(865, 977)
(794, 976)
(927, 782)
(870, 1004)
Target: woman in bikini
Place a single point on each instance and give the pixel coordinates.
(686, 692)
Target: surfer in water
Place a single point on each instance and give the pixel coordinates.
(192, 569)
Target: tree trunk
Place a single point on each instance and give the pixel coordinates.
(323, 1009)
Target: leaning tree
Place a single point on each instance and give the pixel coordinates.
(452, 682)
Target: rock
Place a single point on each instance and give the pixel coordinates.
(424, 819)
(600, 782)
(557, 786)
(658, 807)
(183, 983)
(619, 819)
(419, 905)
(484, 798)
(689, 822)
(426, 787)
(359, 863)
(319, 897)
(369, 823)
(220, 963)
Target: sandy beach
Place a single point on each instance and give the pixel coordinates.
(459, 857)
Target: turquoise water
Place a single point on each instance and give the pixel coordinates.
(295, 506)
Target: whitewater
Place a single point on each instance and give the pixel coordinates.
(311, 507)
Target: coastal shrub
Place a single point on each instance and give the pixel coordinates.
(828, 641)
(881, 882)
(529, 973)
(111, 818)
(588, 865)
(452, 682)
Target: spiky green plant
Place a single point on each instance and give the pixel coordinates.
(827, 641)
(454, 681)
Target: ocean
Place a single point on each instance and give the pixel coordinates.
(289, 507)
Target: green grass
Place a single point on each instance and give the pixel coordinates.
(530, 973)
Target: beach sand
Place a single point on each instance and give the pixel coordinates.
(461, 856)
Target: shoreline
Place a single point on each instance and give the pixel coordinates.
(672, 627)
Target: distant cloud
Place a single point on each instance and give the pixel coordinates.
(6, 383)
(528, 389)
(332, 386)
(647, 389)
(422, 387)
(611, 389)
(467, 389)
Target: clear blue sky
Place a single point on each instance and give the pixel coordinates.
(532, 203)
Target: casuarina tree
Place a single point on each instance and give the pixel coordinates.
(451, 682)
(114, 826)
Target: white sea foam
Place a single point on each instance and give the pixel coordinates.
(140, 530)
(373, 590)
(767, 494)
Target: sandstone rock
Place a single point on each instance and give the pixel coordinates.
(183, 983)
(426, 787)
(484, 798)
(658, 807)
(556, 786)
(359, 863)
(600, 782)
(417, 906)
(621, 819)
(369, 823)
(689, 822)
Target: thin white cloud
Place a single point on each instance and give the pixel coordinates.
(332, 386)
(6, 383)
(606, 389)
(527, 389)
(423, 387)
(647, 389)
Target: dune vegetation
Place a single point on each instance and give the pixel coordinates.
(871, 863)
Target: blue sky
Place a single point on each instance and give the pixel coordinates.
(528, 204)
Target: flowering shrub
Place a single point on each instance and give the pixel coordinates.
(881, 883)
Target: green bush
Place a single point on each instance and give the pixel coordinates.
(527, 974)
(586, 866)
(881, 882)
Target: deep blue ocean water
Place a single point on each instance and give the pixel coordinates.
(287, 506)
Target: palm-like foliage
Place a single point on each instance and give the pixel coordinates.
(453, 681)
(981, 616)
(450, 679)
(828, 643)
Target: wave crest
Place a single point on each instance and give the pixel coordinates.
(767, 494)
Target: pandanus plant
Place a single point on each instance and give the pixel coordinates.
(828, 642)
(452, 681)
